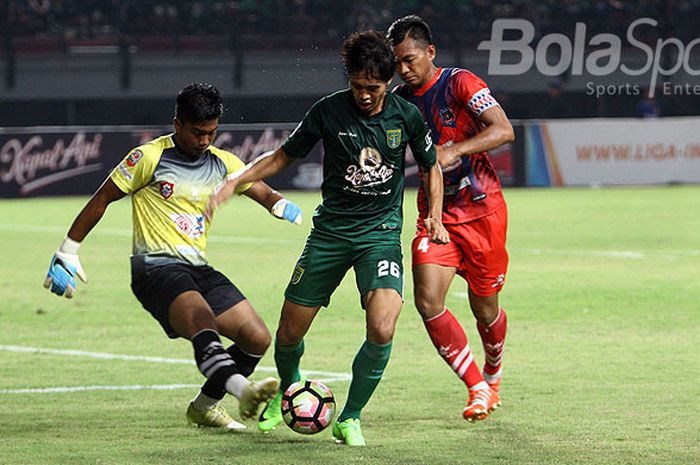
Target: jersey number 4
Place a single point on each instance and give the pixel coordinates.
(424, 244)
(386, 268)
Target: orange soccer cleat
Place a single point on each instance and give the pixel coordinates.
(481, 403)
(495, 385)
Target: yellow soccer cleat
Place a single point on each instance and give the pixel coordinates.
(215, 417)
(255, 394)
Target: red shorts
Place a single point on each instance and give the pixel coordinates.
(477, 249)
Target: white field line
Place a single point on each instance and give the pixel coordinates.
(323, 376)
(62, 389)
(623, 254)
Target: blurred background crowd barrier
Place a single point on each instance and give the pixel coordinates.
(81, 62)
(58, 160)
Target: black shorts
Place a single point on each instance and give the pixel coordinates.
(157, 286)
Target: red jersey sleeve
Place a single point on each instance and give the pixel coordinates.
(473, 92)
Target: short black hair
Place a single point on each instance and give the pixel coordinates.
(199, 102)
(368, 52)
(411, 26)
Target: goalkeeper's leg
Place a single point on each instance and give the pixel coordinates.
(225, 370)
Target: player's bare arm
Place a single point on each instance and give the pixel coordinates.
(497, 131)
(65, 263)
(433, 222)
(274, 202)
(94, 210)
(266, 165)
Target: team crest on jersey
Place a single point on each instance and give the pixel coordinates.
(166, 189)
(448, 117)
(393, 138)
(298, 273)
(134, 158)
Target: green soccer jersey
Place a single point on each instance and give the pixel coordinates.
(364, 160)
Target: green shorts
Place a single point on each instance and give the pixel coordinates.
(376, 259)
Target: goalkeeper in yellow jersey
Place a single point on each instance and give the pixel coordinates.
(170, 180)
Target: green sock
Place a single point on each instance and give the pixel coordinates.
(287, 360)
(367, 370)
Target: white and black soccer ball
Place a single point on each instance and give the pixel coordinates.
(308, 406)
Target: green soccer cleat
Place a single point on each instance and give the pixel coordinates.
(255, 394)
(349, 432)
(215, 417)
(271, 416)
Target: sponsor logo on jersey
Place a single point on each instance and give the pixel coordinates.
(188, 250)
(370, 159)
(501, 279)
(346, 134)
(393, 138)
(125, 172)
(134, 158)
(166, 189)
(190, 225)
(428, 142)
(371, 170)
(298, 273)
(448, 118)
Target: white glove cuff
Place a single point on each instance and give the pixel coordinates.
(278, 208)
(69, 246)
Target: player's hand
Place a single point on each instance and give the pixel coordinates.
(447, 155)
(286, 210)
(65, 266)
(221, 195)
(437, 232)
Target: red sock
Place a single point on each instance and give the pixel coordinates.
(450, 341)
(494, 339)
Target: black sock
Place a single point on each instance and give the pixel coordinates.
(213, 362)
(245, 362)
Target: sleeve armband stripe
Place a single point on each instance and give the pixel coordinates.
(482, 101)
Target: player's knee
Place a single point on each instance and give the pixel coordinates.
(485, 309)
(287, 334)
(189, 321)
(381, 332)
(260, 339)
(429, 307)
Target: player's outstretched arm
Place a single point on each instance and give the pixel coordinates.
(274, 202)
(65, 264)
(433, 223)
(266, 165)
(497, 131)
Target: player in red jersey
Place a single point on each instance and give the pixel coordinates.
(465, 121)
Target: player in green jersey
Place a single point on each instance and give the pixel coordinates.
(170, 180)
(365, 132)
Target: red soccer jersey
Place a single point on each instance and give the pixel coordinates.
(451, 103)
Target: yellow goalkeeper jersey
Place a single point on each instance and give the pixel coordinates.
(169, 192)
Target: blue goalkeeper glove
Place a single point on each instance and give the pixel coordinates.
(65, 266)
(286, 210)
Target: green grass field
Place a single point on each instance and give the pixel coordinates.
(601, 366)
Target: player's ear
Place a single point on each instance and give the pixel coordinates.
(177, 124)
(432, 51)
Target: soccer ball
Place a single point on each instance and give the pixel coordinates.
(308, 406)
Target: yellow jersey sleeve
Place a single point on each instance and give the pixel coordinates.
(233, 164)
(137, 167)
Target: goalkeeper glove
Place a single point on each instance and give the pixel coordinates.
(284, 209)
(65, 265)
